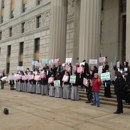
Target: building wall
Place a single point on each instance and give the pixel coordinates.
(31, 33)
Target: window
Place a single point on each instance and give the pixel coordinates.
(24, 7)
(10, 32)
(9, 50)
(2, 19)
(21, 48)
(20, 63)
(2, 11)
(3, 3)
(23, 27)
(39, 2)
(12, 14)
(37, 45)
(8, 68)
(123, 6)
(0, 35)
(39, 22)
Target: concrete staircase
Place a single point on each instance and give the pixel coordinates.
(103, 100)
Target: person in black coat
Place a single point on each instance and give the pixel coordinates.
(119, 84)
(11, 84)
(126, 92)
(105, 67)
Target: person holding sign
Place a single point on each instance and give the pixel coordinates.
(38, 83)
(58, 89)
(66, 86)
(96, 83)
(52, 88)
(21, 81)
(126, 66)
(12, 82)
(44, 84)
(74, 80)
(88, 86)
(105, 67)
(32, 83)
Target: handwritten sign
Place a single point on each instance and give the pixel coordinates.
(57, 83)
(20, 68)
(65, 78)
(68, 60)
(30, 77)
(93, 61)
(118, 64)
(38, 64)
(105, 76)
(102, 59)
(85, 81)
(67, 68)
(51, 62)
(56, 61)
(44, 61)
(11, 77)
(51, 80)
(37, 77)
(80, 70)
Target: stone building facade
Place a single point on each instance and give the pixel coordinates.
(48, 29)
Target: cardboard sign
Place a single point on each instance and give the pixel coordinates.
(67, 68)
(57, 83)
(56, 61)
(100, 69)
(65, 78)
(20, 68)
(80, 70)
(85, 81)
(105, 76)
(1, 70)
(75, 68)
(34, 62)
(44, 61)
(102, 59)
(93, 61)
(68, 60)
(51, 62)
(73, 79)
(11, 77)
(38, 64)
(51, 80)
(37, 77)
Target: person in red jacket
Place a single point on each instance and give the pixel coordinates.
(96, 83)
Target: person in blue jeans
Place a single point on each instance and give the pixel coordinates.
(96, 83)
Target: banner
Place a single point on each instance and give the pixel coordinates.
(65, 78)
(51, 62)
(102, 59)
(85, 81)
(105, 76)
(68, 60)
(80, 70)
(100, 69)
(20, 68)
(56, 83)
(73, 79)
(93, 61)
(44, 61)
(51, 80)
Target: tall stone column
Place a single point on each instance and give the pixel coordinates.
(57, 47)
(89, 42)
(128, 31)
(7, 10)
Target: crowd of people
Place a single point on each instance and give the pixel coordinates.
(68, 90)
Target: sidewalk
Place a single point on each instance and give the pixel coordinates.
(36, 112)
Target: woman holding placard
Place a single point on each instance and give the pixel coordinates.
(66, 86)
(74, 80)
(21, 81)
(32, 83)
(44, 86)
(58, 89)
(52, 88)
(38, 83)
(96, 83)
(88, 88)
(126, 66)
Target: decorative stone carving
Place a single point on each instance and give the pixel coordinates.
(16, 30)
(5, 34)
(71, 5)
(30, 24)
(46, 18)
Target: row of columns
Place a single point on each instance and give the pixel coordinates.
(89, 37)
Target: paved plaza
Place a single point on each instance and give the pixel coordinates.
(36, 112)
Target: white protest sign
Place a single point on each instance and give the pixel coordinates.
(68, 60)
(100, 69)
(51, 62)
(93, 61)
(20, 68)
(102, 59)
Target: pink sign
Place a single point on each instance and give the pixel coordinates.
(17, 77)
(93, 61)
(65, 78)
(38, 64)
(37, 77)
(51, 80)
(102, 59)
(100, 69)
(56, 61)
(11, 77)
(43, 76)
(67, 68)
(85, 81)
(24, 77)
(30, 77)
(80, 70)
(20, 68)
